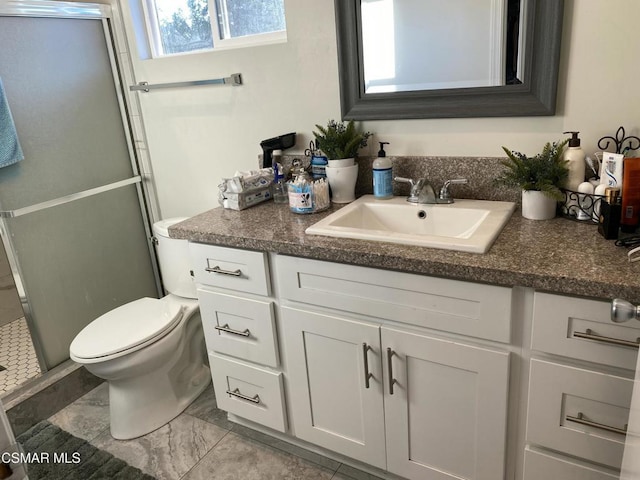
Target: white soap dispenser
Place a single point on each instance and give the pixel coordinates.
(382, 175)
(575, 156)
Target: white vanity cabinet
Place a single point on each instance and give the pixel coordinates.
(397, 397)
(580, 387)
(411, 374)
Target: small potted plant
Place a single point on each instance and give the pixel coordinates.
(339, 141)
(540, 178)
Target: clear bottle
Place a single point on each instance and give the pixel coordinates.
(279, 186)
(300, 190)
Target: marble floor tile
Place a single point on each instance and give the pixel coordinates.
(169, 452)
(205, 408)
(88, 416)
(345, 472)
(286, 447)
(237, 457)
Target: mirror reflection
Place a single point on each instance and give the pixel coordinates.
(461, 44)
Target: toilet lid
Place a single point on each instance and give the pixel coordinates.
(126, 327)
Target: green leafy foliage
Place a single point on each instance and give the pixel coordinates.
(545, 172)
(187, 31)
(338, 140)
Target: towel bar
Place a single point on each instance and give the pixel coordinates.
(234, 80)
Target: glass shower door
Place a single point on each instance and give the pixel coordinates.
(73, 218)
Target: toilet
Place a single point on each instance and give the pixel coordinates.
(151, 351)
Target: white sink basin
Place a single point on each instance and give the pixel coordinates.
(466, 225)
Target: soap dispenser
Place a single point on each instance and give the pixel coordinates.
(382, 175)
(575, 157)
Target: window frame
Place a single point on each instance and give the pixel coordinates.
(155, 41)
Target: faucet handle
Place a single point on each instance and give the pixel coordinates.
(410, 181)
(445, 196)
(416, 187)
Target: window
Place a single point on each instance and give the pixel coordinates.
(181, 26)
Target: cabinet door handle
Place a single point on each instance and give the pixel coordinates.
(225, 328)
(582, 420)
(367, 374)
(589, 335)
(392, 381)
(236, 393)
(217, 269)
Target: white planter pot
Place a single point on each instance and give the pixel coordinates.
(342, 181)
(537, 206)
(342, 162)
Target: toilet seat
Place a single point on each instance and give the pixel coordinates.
(126, 329)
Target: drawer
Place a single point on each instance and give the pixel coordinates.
(558, 393)
(241, 270)
(539, 465)
(239, 327)
(249, 392)
(582, 329)
(477, 310)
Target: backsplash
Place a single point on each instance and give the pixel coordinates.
(479, 171)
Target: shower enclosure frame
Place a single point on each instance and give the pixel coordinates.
(142, 177)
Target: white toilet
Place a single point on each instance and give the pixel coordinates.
(150, 351)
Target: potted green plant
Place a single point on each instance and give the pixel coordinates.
(540, 178)
(340, 141)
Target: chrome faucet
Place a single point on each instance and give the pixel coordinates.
(422, 191)
(445, 196)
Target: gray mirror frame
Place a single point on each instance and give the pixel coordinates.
(535, 97)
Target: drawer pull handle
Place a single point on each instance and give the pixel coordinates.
(225, 328)
(392, 381)
(236, 393)
(217, 269)
(589, 335)
(367, 374)
(582, 420)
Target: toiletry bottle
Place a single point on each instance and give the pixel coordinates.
(610, 210)
(597, 202)
(319, 163)
(630, 195)
(575, 156)
(611, 170)
(279, 186)
(382, 175)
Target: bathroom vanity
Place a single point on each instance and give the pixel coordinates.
(424, 363)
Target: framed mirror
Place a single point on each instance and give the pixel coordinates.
(513, 73)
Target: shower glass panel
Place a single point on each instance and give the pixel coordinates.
(60, 88)
(80, 260)
(75, 254)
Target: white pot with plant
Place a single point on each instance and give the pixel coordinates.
(540, 178)
(340, 143)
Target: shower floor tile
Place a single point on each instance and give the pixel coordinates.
(17, 356)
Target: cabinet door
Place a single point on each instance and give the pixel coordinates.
(447, 415)
(331, 404)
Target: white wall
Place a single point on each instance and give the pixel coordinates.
(199, 135)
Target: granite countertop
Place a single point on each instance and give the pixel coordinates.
(557, 255)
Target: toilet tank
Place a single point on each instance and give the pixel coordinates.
(174, 260)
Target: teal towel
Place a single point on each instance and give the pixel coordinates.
(10, 150)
